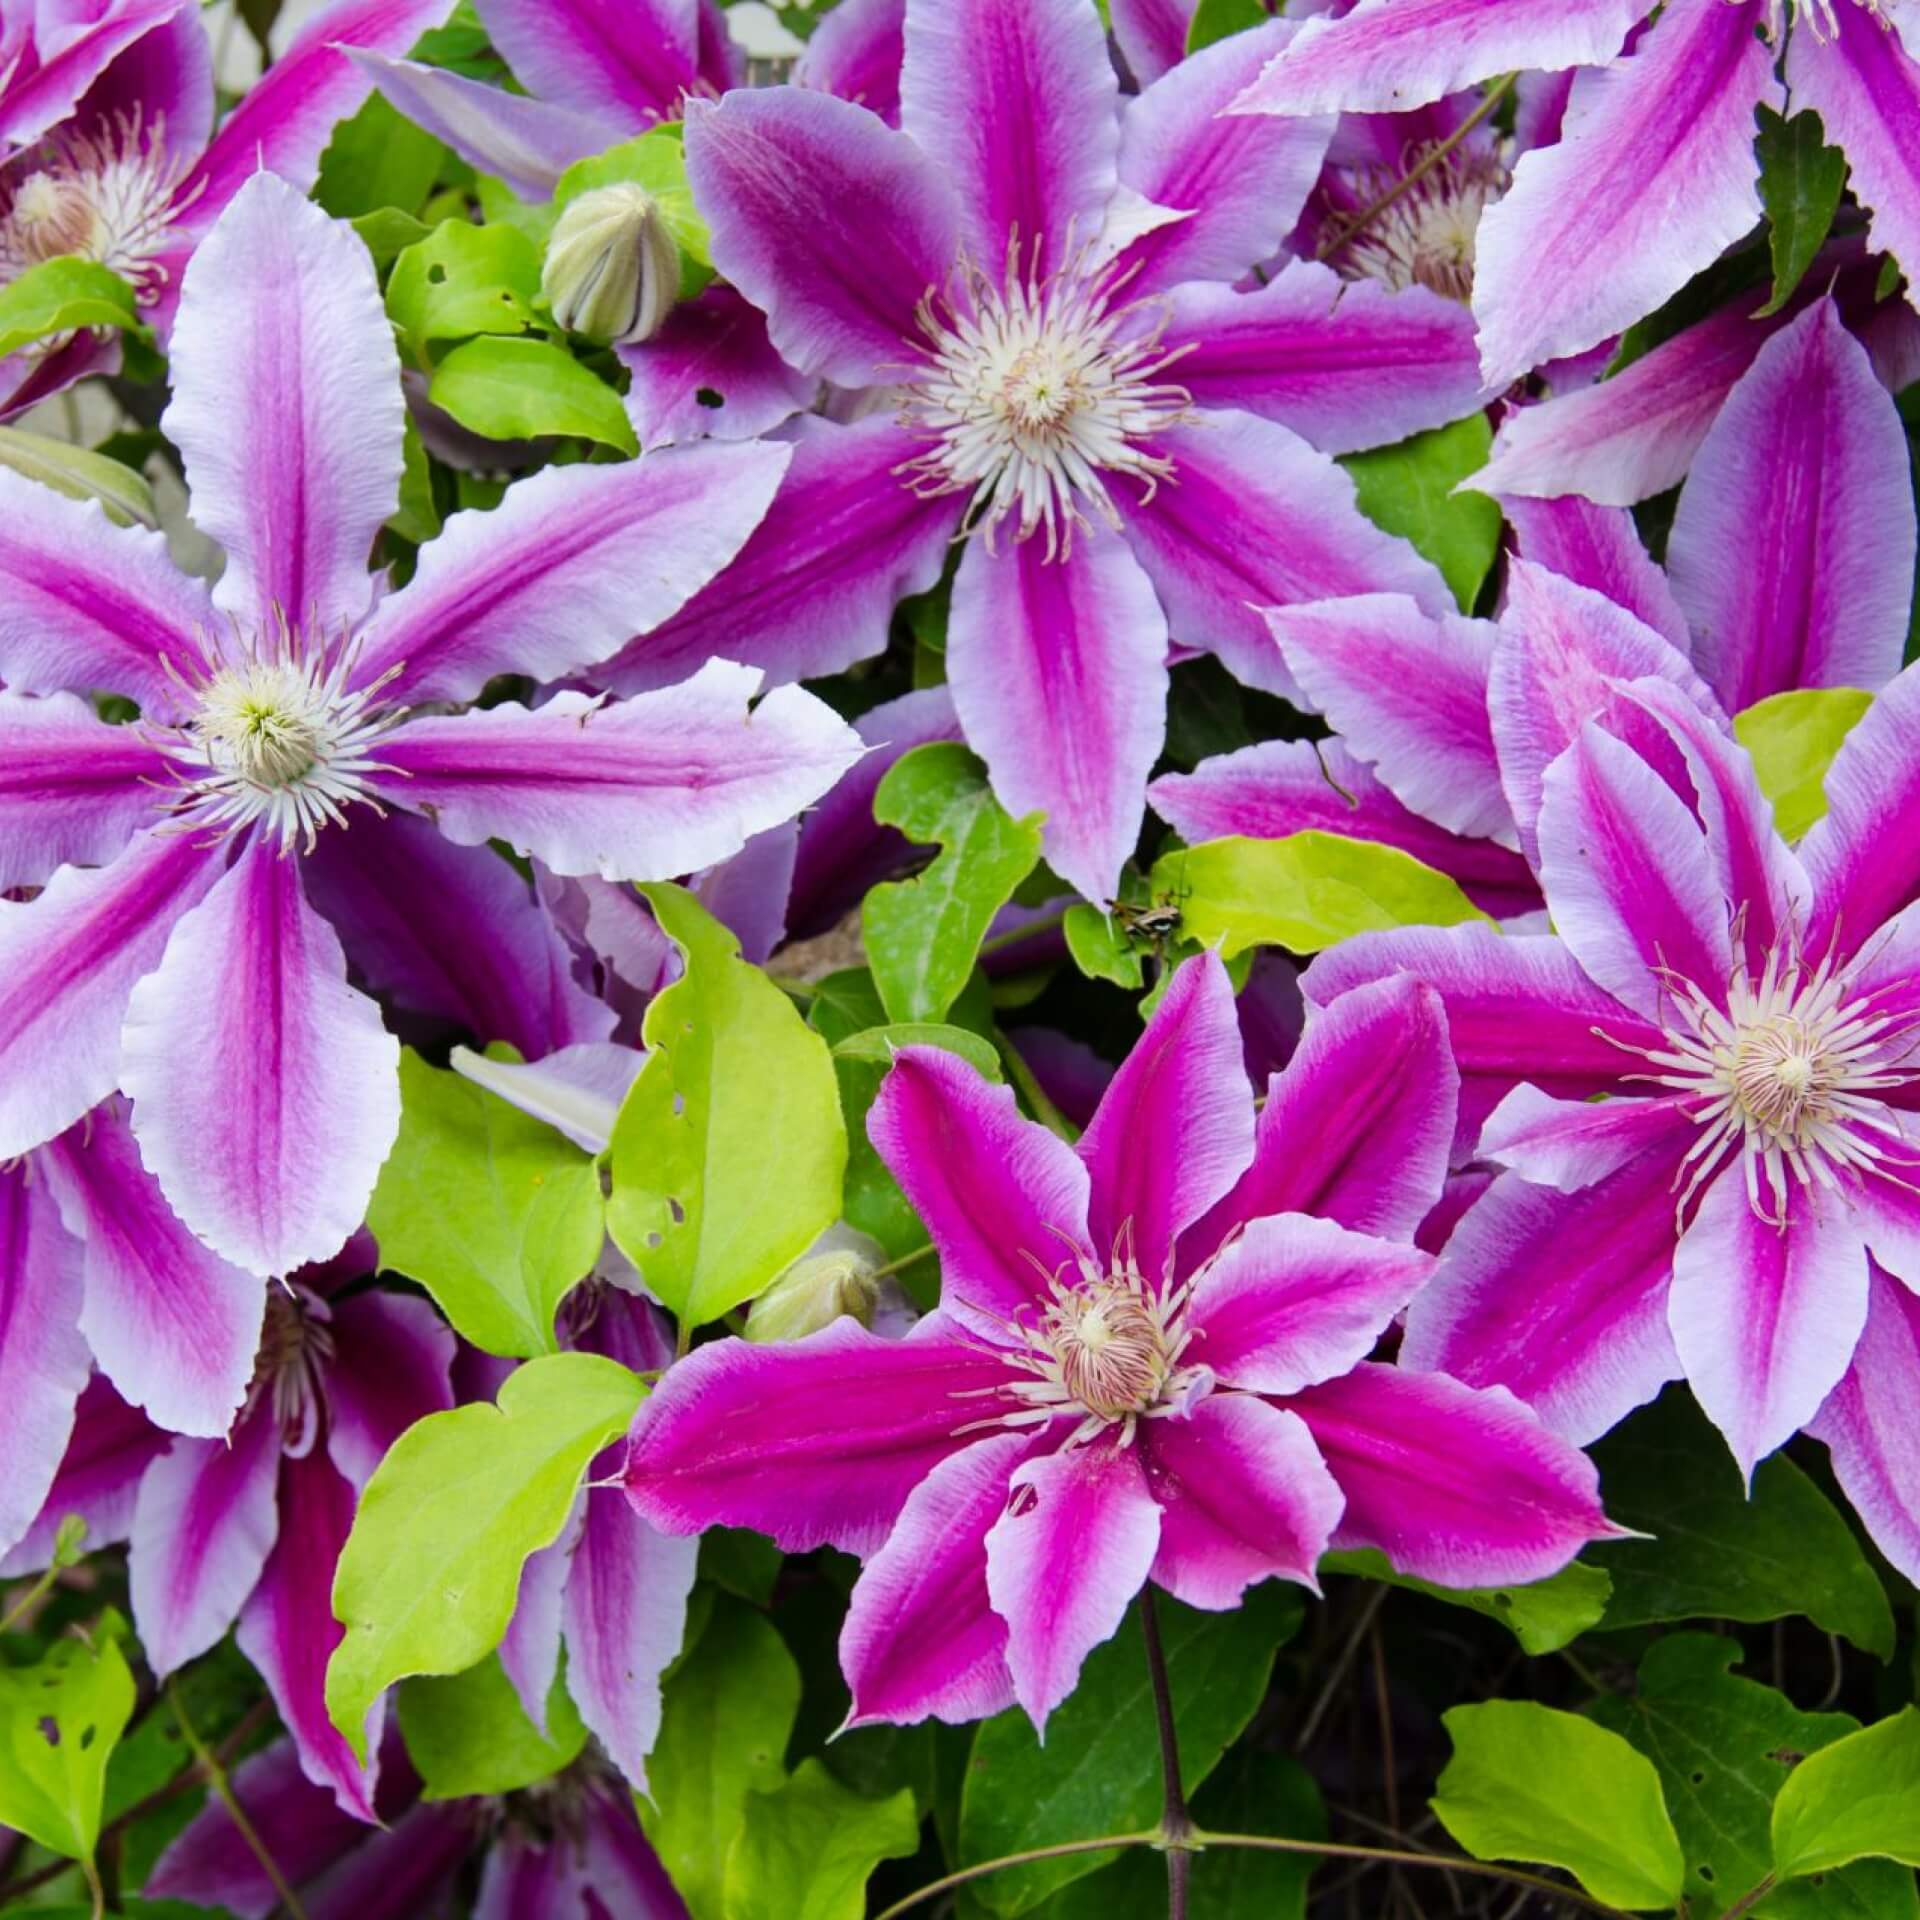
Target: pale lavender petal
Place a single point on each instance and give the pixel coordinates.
(1058, 672)
(1764, 1320)
(712, 372)
(1074, 1546)
(392, 1358)
(856, 51)
(833, 225)
(173, 1326)
(204, 1523)
(1569, 1144)
(578, 1090)
(406, 903)
(572, 563)
(43, 1359)
(998, 1193)
(624, 1615)
(398, 1874)
(1260, 519)
(1345, 364)
(1810, 447)
(1016, 105)
(99, 1477)
(1578, 247)
(280, 314)
(1174, 1129)
(628, 61)
(747, 892)
(814, 587)
(1459, 1486)
(1241, 180)
(622, 1873)
(265, 1091)
(1244, 1496)
(1560, 1298)
(818, 1442)
(921, 1637)
(70, 958)
(86, 604)
(663, 784)
(530, 1652)
(1152, 34)
(1597, 547)
(1291, 1300)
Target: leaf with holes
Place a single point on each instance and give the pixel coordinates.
(60, 1721)
(462, 280)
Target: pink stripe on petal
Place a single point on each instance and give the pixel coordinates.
(43, 94)
(855, 51)
(711, 371)
(1151, 34)
(628, 61)
(1457, 1485)
(265, 1090)
(392, 1356)
(1597, 547)
(1244, 1496)
(167, 74)
(99, 1477)
(400, 1873)
(1569, 1144)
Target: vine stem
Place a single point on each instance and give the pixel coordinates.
(1176, 1823)
(1750, 1899)
(27, 1601)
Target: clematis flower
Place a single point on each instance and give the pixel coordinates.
(108, 149)
(177, 956)
(1149, 1363)
(1037, 284)
(1655, 174)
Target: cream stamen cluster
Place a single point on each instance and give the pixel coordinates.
(296, 1346)
(1818, 16)
(1424, 236)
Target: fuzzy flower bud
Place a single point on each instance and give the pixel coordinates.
(612, 270)
(836, 1275)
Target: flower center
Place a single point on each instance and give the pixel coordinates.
(1818, 16)
(296, 1347)
(1111, 1348)
(1425, 235)
(1032, 392)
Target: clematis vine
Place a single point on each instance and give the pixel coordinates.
(1654, 175)
(172, 951)
(1149, 1363)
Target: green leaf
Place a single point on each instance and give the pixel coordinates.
(461, 280)
(1529, 1783)
(1305, 892)
(1854, 1800)
(80, 475)
(1793, 738)
(1723, 1746)
(135, 1910)
(388, 232)
(729, 1151)
(1100, 1769)
(742, 1561)
(1216, 19)
(522, 389)
(429, 1575)
(923, 935)
(1714, 1552)
(1544, 1617)
(62, 296)
(60, 1721)
(1409, 490)
(492, 1211)
(808, 1849)
(1801, 178)
(417, 517)
(1100, 947)
(467, 1733)
(880, 1044)
(377, 159)
(727, 1713)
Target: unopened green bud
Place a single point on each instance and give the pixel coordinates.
(835, 1276)
(612, 270)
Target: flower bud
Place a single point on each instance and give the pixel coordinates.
(612, 270)
(835, 1276)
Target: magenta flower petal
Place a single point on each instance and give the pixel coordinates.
(1345, 364)
(856, 51)
(400, 1873)
(1810, 446)
(1005, 1200)
(166, 74)
(1015, 104)
(1457, 1485)
(819, 1442)
(99, 1477)
(1058, 672)
(1569, 1144)
(1597, 547)
(1578, 248)
(265, 1092)
(833, 225)
(1244, 1496)
(392, 1356)
(1174, 1129)
(1074, 1546)
(624, 61)
(173, 1326)
(35, 96)
(712, 372)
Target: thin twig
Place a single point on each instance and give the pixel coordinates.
(32, 1597)
(947, 1882)
(1176, 1823)
(1750, 1899)
(1338, 1673)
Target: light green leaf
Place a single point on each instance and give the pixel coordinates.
(657, 161)
(467, 1733)
(1100, 947)
(80, 475)
(1793, 737)
(1544, 1617)
(923, 935)
(1306, 892)
(807, 1850)
(1216, 19)
(387, 232)
(60, 1721)
(1409, 490)
(62, 296)
(880, 1044)
(461, 280)
(726, 1716)
(1529, 1783)
(1801, 179)
(429, 1575)
(1100, 1769)
(1854, 1800)
(493, 1212)
(377, 159)
(522, 389)
(729, 1151)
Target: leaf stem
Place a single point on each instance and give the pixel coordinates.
(28, 1600)
(905, 1260)
(1035, 1095)
(1176, 1823)
(1027, 930)
(1750, 1899)
(947, 1882)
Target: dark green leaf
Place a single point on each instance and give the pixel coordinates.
(1801, 179)
(1216, 19)
(377, 159)
(1546, 1616)
(522, 389)
(1408, 490)
(741, 1561)
(808, 1849)
(467, 1733)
